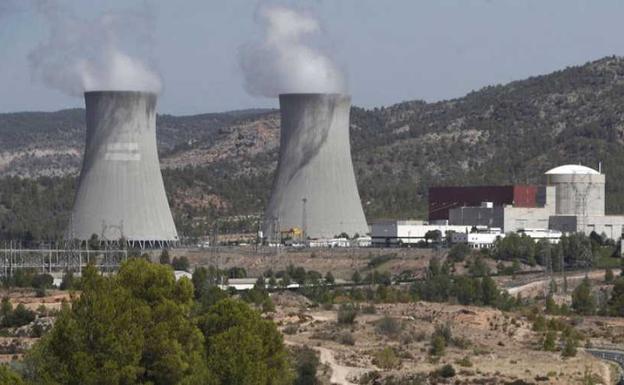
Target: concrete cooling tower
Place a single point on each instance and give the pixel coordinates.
(315, 189)
(120, 191)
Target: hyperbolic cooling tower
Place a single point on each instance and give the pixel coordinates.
(315, 189)
(121, 191)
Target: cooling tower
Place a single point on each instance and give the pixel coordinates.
(315, 189)
(120, 191)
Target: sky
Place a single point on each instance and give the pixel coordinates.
(389, 51)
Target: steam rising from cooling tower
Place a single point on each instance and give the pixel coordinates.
(315, 188)
(285, 61)
(120, 191)
(84, 55)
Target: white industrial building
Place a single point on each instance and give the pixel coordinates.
(479, 239)
(396, 233)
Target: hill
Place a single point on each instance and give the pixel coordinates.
(221, 165)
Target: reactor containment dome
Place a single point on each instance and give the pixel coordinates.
(120, 193)
(315, 188)
(580, 190)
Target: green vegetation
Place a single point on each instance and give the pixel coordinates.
(459, 252)
(9, 377)
(306, 365)
(14, 317)
(446, 371)
(552, 327)
(389, 326)
(550, 340)
(616, 302)
(583, 301)
(575, 251)
(386, 358)
(346, 314)
(142, 326)
(441, 286)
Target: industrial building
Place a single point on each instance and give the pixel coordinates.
(571, 200)
(120, 190)
(406, 233)
(443, 199)
(484, 239)
(509, 217)
(314, 188)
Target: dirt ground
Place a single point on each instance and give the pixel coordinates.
(501, 347)
(342, 262)
(14, 346)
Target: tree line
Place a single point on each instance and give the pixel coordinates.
(142, 326)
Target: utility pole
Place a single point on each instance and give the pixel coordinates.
(304, 223)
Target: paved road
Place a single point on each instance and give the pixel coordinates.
(612, 355)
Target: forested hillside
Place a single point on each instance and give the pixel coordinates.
(221, 165)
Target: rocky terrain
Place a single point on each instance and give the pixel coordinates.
(491, 347)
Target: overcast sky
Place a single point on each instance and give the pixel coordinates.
(390, 51)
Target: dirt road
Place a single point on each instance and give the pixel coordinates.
(340, 373)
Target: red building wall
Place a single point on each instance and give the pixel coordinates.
(524, 196)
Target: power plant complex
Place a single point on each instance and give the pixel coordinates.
(571, 199)
(314, 189)
(120, 193)
(314, 197)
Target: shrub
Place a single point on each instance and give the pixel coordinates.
(346, 314)
(181, 263)
(386, 359)
(465, 362)
(609, 276)
(19, 316)
(569, 347)
(380, 260)
(68, 282)
(459, 252)
(583, 301)
(446, 371)
(345, 338)
(549, 343)
(306, 363)
(389, 326)
(291, 329)
(444, 330)
(551, 306)
(164, 258)
(539, 324)
(369, 309)
(438, 345)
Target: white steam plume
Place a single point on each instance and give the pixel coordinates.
(85, 55)
(282, 62)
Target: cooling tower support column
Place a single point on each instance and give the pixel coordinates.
(315, 189)
(121, 191)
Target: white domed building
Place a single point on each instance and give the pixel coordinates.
(580, 202)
